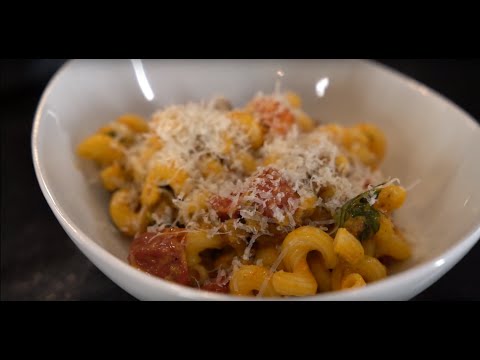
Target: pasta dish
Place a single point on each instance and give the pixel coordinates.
(258, 200)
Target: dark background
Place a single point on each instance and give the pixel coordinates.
(40, 262)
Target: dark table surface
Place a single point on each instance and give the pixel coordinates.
(40, 262)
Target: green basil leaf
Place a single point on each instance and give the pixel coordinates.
(359, 206)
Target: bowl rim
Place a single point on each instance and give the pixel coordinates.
(91, 249)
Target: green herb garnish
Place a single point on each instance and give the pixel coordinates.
(360, 207)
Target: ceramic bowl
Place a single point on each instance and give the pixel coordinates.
(432, 145)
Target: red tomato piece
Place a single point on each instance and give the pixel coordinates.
(161, 254)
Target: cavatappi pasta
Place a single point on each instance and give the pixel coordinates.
(256, 201)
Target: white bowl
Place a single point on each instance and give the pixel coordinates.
(430, 140)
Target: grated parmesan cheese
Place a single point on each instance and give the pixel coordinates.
(303, 165)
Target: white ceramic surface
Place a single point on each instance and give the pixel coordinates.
(431, 142)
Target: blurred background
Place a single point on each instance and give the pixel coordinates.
(40, 262)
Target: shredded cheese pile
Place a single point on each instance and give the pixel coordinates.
(304, 163)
